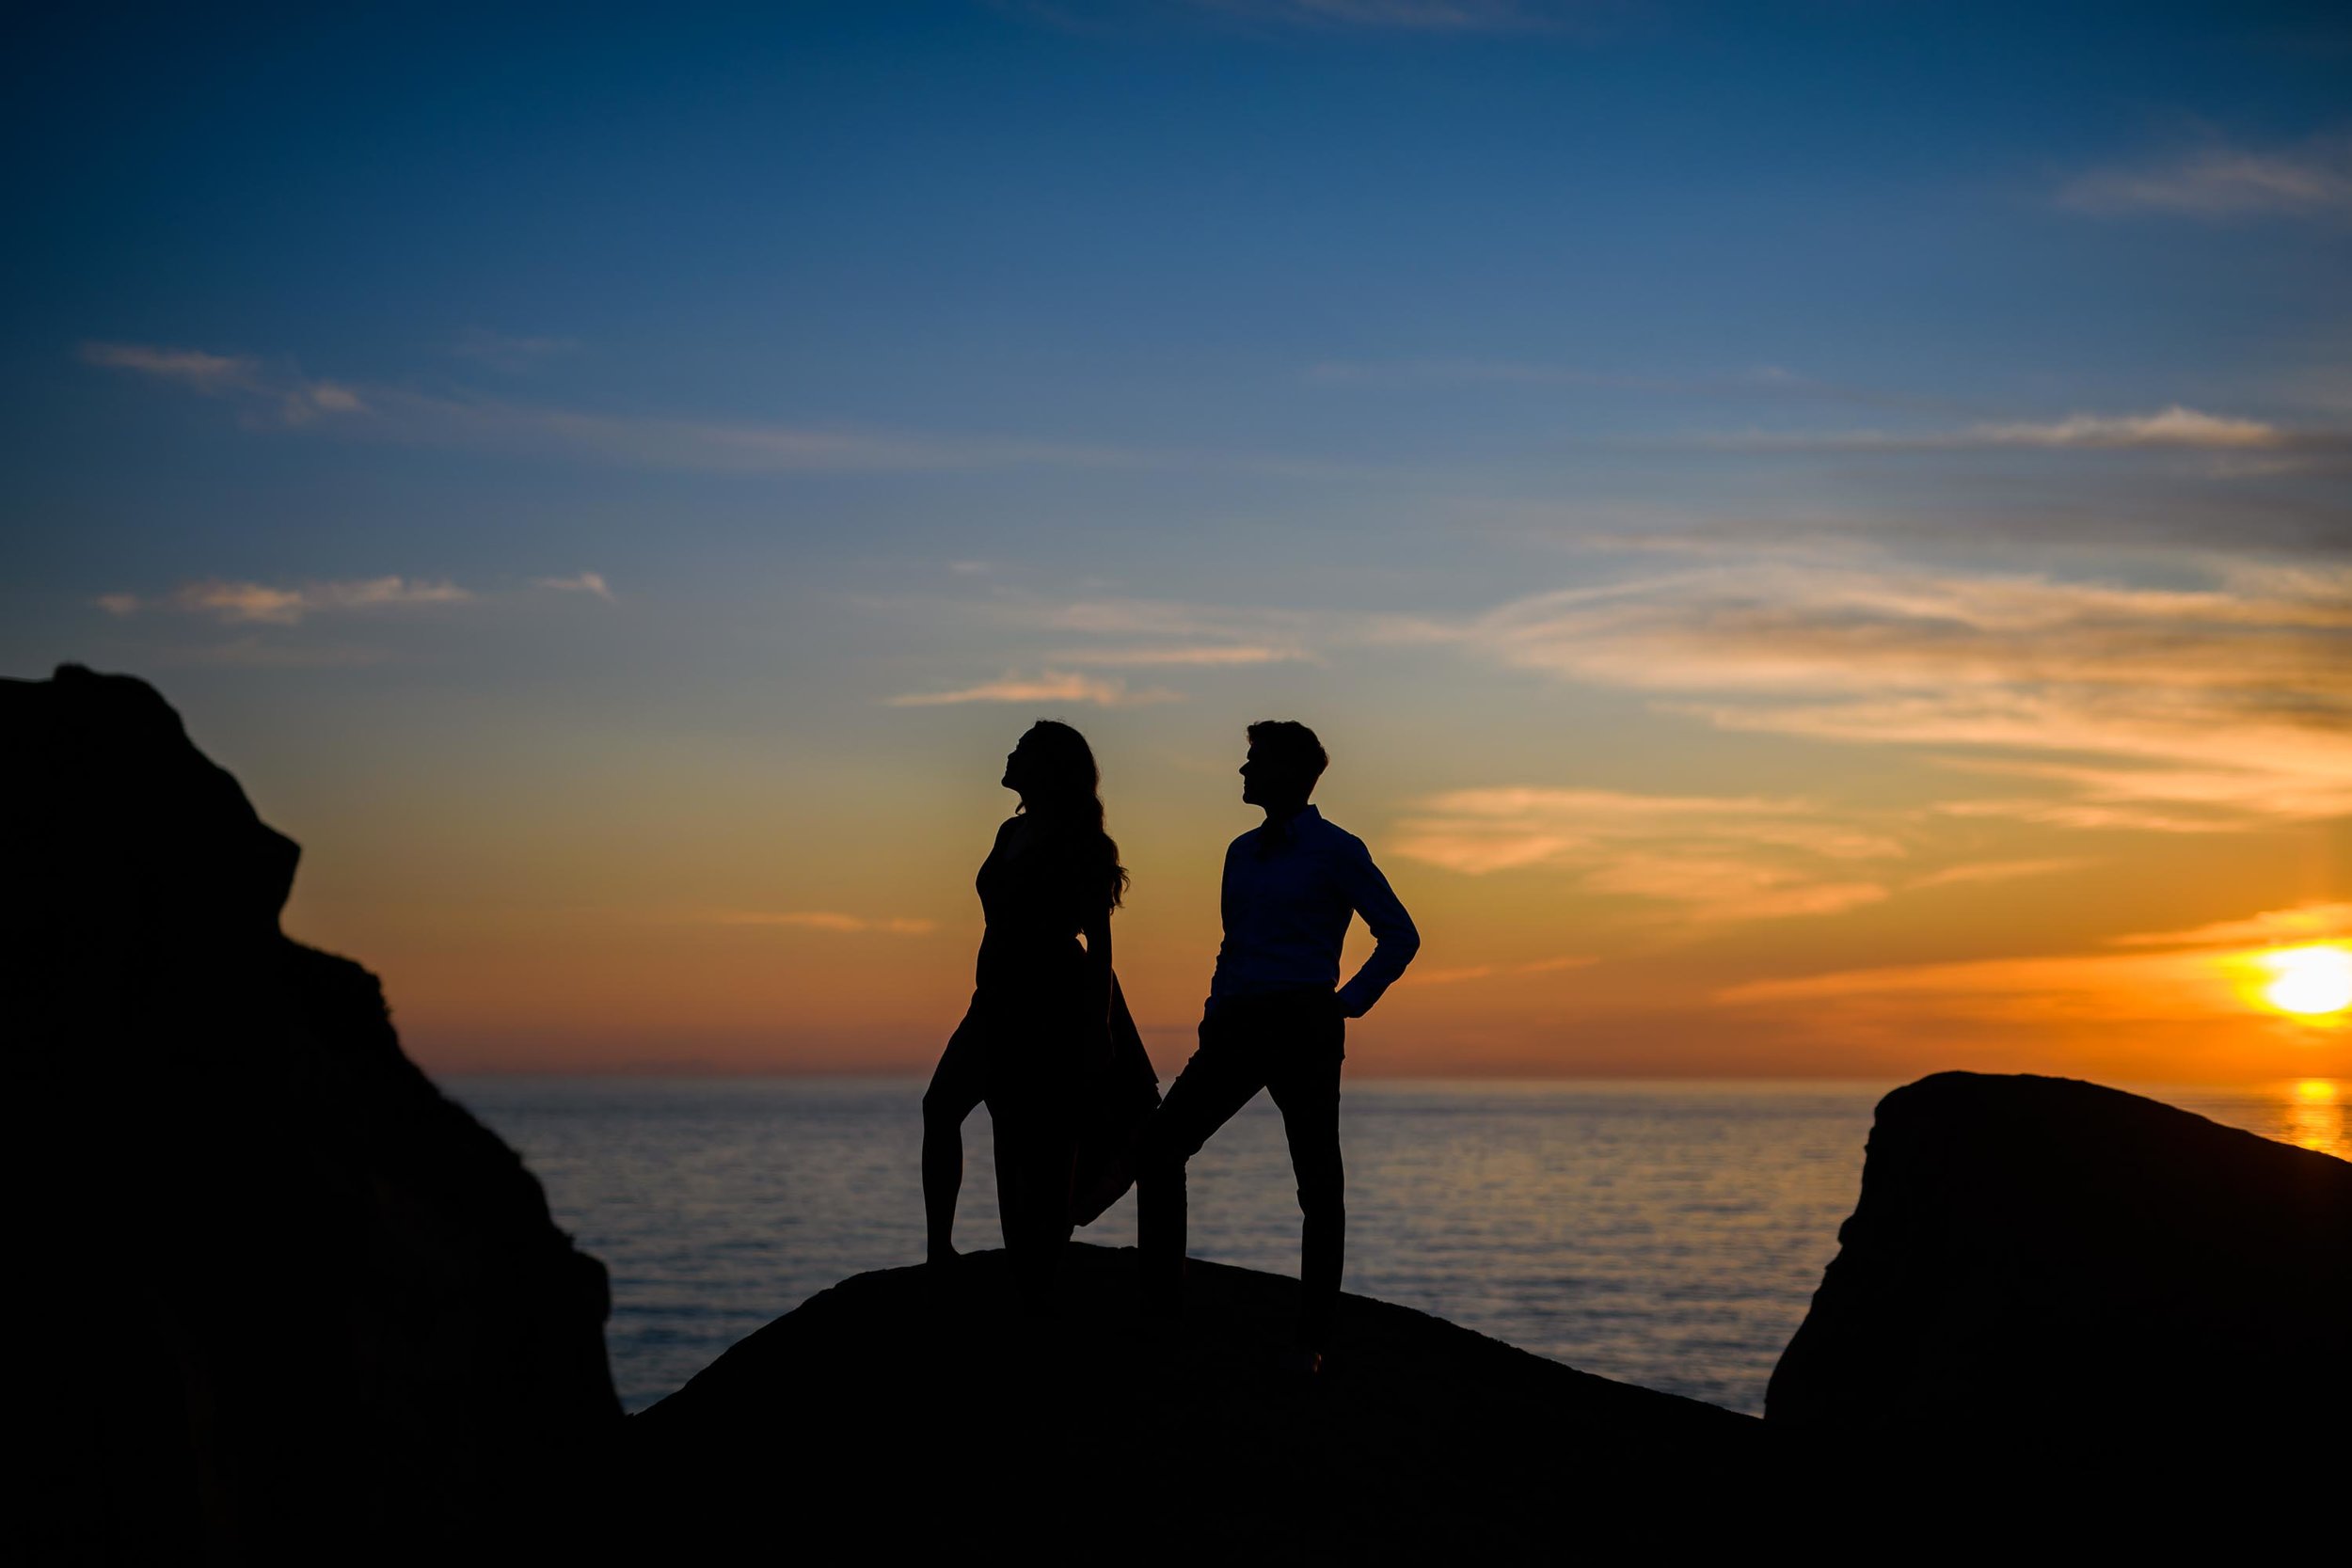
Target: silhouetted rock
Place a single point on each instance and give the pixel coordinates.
(906, 1413)
(284, 1298)
(2038, 1261)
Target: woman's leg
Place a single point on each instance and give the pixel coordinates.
(943, 1177)
(1036, 1160)
(957, 1085)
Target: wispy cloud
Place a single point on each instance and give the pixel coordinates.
(2218, 793)
(240, 603)
(1050, 687)
(206, 373)
(1521, 372)
(2207, 973)
(2174, 428)
(2089, 987)
(2303, 923)
(2221, 695)
(1422, 976)
(2312, 179)
(1208, 655)
(2231, 698)
(1773, 625)
(1167, 634)
(1749, 382)
(2128, 513)
(233, 603)
(1975, 872)
(1715, 858)
(580, 582)
(288, 400)
(1082, 646)
(820, 920)
(1172, 619)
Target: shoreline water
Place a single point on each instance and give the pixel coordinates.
(1665, 1234)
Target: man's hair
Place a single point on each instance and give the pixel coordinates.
(1290, 743)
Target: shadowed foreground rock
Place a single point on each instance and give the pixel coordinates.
(281, 1298)
(2045, 1261)
(1099, 1435)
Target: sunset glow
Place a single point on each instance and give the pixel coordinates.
(1812, 552)
(2310, 981)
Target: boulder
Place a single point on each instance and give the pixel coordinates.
(283, 1297)
(909, 1411)
(2047, 1263)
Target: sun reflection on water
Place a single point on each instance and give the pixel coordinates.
(2315, 1117)
(1667, 1234)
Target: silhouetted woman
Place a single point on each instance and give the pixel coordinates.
(1048, 1041)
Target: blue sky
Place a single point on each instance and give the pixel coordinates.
(779, 406)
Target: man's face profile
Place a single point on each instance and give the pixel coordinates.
(1271, 779)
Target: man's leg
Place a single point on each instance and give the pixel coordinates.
(1305, 1083)
(1220, 1080)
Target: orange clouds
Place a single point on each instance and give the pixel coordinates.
(260, 604)
(1457, 975)
(2217, 702)
(1728, 859)
(820, 920)
(2207, 977)
(1051, 687)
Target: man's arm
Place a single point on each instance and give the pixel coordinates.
(1394, 941)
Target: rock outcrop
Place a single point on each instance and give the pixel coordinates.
(284, 1299)
(913, 1414)
(2041, 1261)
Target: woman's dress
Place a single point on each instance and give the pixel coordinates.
(1067, 1083)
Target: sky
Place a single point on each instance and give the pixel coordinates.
(1817, 535)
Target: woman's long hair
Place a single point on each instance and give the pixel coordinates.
(1068, 793)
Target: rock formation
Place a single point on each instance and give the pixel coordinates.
(284, 1299)
(913, 1414)
(2044, 1261)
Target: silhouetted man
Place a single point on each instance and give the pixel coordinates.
(1273, 1019)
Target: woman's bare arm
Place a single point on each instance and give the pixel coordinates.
(1098, 935)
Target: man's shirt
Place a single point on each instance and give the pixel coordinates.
(1289, 890)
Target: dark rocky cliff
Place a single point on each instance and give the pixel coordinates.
(283, 1297)
(2045, 1262)
(931, 1417)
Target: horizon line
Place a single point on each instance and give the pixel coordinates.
(706, 1073)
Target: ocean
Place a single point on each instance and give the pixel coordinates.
(1664, 1234)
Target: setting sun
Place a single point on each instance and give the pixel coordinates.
(1734, 682)
(2309, 980)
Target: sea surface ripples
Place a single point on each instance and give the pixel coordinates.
(1669, 1235)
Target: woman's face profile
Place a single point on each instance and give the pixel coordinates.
(1018, 765)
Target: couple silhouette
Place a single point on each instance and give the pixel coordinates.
(1050, 1046)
